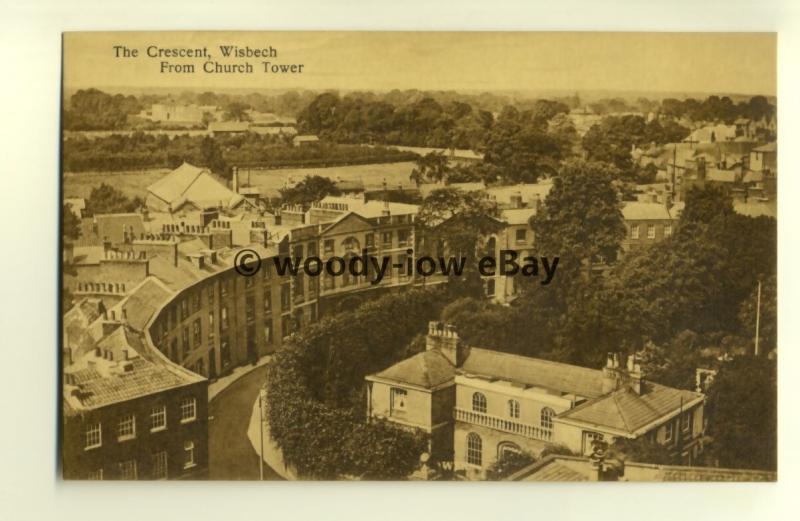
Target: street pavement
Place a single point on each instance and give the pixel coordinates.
(231, 456)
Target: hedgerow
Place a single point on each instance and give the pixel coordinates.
(315, 390)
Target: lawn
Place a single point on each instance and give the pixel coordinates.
(135, 182)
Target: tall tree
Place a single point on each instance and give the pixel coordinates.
(522, 148)
(458, 223)
(311, 188)
(430, 168)
(581, 219)
(237, 111)
(743, 414)
(107, 199)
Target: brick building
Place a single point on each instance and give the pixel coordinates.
(127, 412)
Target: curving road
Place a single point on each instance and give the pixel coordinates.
(231, 457)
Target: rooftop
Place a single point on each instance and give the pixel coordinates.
(576, 468)
(428, 369)
(626, 411)
(769, 147)
(517, 215)
(96, 381)
(196, 185)
(641, 211)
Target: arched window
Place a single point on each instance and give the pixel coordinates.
(350, 245)
(507, 448)
(478, 402)
(547, 417)
(513, 408)
(474, 449)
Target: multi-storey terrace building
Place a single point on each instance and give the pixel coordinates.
(128, 413)
(479, 405)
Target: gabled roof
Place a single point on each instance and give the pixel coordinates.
(343, 219)
(191, 184)
(175, 183)
(428, 369)
(626, 411)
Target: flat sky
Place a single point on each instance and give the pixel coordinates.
(731, 63)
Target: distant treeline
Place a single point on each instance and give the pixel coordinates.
(140, 150)
(423, 122)
(92, 109)
(715, 108)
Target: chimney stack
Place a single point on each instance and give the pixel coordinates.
(443, 337)
(386, 212)
(616, 377)
(536, 202)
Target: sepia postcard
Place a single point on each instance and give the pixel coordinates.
(441, 256)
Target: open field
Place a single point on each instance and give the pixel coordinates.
(135, 182)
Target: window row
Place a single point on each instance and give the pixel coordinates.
(651, 231)
(126, 425)
(546, 415)
(129, 469)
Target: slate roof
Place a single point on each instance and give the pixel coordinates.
(111, 226)
(196, 185)
(555, 376)
(143, 301)
(428, 369)
(627, 411)
(97, 389)
(554, 468)
(555, 471)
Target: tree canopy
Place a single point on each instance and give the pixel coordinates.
(311, 188)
